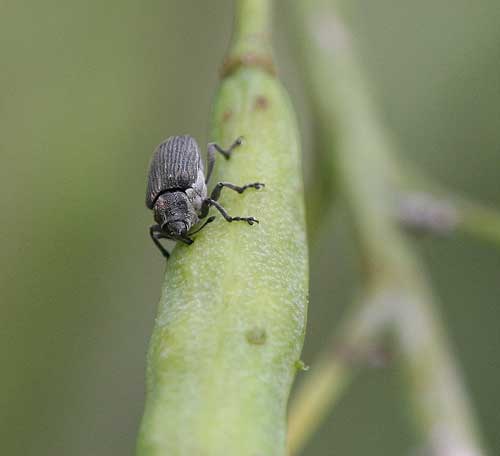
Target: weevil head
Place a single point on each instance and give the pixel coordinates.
(175, 214)
(176, 228)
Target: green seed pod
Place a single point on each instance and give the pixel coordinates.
(232, 314)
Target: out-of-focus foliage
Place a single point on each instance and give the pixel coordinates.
(89, 88)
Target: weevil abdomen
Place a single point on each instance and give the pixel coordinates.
(176, 165)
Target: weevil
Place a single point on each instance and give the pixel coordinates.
(177, 189)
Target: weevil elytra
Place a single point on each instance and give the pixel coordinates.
(177, 189)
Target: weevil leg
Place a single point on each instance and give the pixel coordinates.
(210, 162)
(187, 240)
(156, 234)
(210, 202)
(220, 185)
(209, 220)
(212, 147)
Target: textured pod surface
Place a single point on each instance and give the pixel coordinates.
(232, 314)
(175, 165)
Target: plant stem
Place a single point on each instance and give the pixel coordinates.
(479, 221)
(442, 213)
(251, 42)
(443, 208)
(357, 344)
(232, 314)
(366, 171)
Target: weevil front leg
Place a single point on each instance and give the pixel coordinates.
(209, 220)
(212, 148)
(211, 202)
(220, 185)
(156, 234)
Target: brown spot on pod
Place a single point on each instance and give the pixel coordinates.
(250, 59)
(261, 103)
(256, 336)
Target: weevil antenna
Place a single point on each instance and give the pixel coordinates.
(209, 220)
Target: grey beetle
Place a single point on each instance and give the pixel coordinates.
(177, 189)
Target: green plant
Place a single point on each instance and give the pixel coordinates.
(232, 315)
(230, 328)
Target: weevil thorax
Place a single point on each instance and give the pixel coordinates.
(175, 214)
(198, 191)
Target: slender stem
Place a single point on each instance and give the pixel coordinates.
(439, 209)
(367, 170)
(439, 403)
(357, 344)
(443, 213)
(479, 221)
(315, 398)
(232, 314)
(251, 42)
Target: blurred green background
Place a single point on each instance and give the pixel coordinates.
(88, 89)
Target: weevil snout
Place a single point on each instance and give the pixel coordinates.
(176, 228)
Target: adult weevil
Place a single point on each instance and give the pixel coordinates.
(177, 189)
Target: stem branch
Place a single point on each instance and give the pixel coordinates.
(363, 154)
